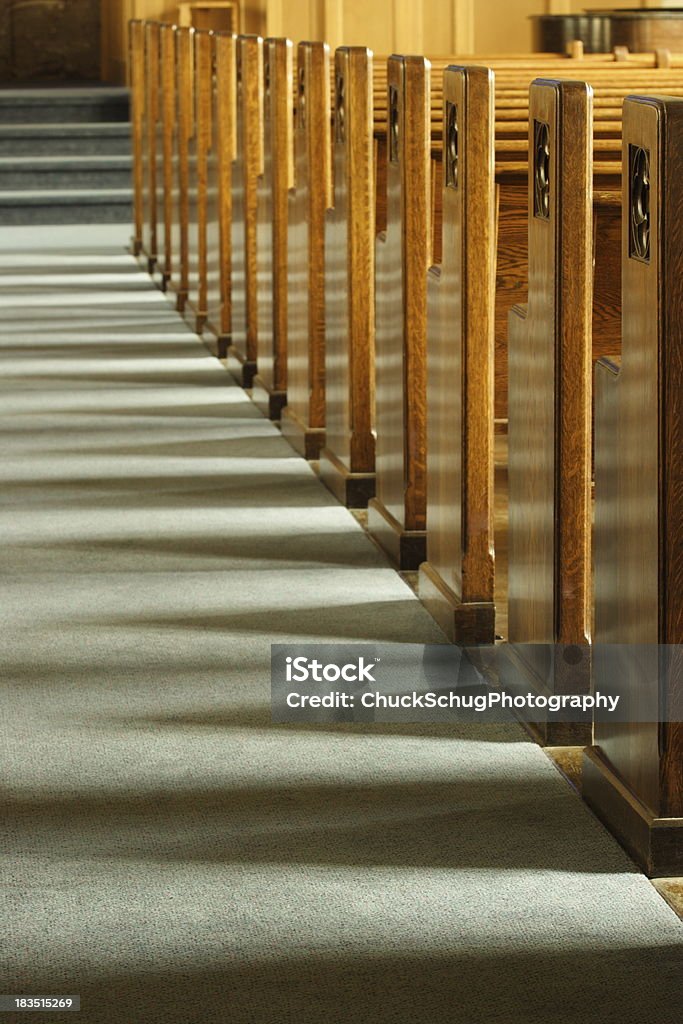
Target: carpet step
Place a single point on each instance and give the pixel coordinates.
(65, 172)
(23, 106)
(85, 139)
(66, 206)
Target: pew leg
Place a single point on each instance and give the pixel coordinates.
(463, 622)
(180, 300)
(136, 246)
(269, 401)
(545, 669)
(656, 844)
(354, 490)
(406, 548)
(222, 346)
(307, 441)
(241, 368)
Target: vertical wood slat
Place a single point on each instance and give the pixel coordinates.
(347, 462)
(165, 152)
(184, 51)
(397, 516)
(246, 168)
(457, 581)
(200, 144)
(549, 461)
(136, 60)
(303, 419)
(219, 188)
(149, 144)
(270, 383)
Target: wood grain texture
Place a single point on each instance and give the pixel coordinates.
(550, 404)
(246, 168)
(149, 144)
(179, 281)
(639, 488)
(165, 151)
(402, 258)
(459, 572)
(303, 419)
(219, 199)
(136, 63)
(270, 385)
(348, 459)
(200, 146)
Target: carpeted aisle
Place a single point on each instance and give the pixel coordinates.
(168, 853)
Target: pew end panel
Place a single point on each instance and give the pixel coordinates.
(632, 774)
(457, 581)
(218, 194)
(270, 383)
(165, 152)
(150, 240)
(136, 64)
(397, 516)
(549, 466)
(200, 145)
(347, 462)
(184, 51)
(247, 166)
(303, 418)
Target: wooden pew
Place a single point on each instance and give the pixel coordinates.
(350, 388)
(303, 418)
(549, 461)
(246, 168)
(149, 145)
(397, 515)
(184, 91)
(136, 63)
(199, 145)
(218, 192)
(457, 581)
(347, 462)
(632, 775)
(269, 389)
(165, 154)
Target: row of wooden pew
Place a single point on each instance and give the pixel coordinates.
(403, 257)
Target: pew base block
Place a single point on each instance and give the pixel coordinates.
(223, 342)
(519, 676)
(270, 402)
(307, 441)
(463, 622)
(217, 345)
(242, 369)
(406, 548)
(656, 844)
(354, 490)
(136, 246)
(180, 302)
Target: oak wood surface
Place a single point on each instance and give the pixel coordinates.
(136, 60)
(270, 385)
(638, 444)
(219, 181)
(402, 259)
(149, 143)
(303, 419)
(247, 166)
(457, 581)
(348, 459)
(179, 280)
